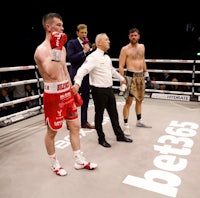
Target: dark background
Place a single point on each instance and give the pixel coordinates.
(168, 30)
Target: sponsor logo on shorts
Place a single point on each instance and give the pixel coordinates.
(58, 123)
(62, 86)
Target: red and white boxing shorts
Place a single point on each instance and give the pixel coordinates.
(59, 104)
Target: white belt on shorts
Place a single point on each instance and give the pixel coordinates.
(56, 87)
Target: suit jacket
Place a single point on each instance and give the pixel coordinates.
(75, 56)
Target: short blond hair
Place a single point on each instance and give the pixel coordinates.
(81, 26)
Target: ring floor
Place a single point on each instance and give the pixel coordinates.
(163, 161)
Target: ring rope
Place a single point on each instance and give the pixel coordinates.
(26, 99)
(22, 82)
(35, 110)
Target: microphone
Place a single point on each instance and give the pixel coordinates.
(85, 40)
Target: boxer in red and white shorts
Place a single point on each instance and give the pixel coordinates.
(59, 104)
(59, 98)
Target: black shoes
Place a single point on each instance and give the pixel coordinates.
(124, 139)
(104, 143)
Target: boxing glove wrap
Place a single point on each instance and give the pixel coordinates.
(147, 79)
(57, 42)
(78, 100)
(123, 88)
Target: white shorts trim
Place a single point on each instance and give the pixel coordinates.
(56, 87)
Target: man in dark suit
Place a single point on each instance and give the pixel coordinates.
(77, 50)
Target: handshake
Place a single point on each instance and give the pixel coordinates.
(57, 42)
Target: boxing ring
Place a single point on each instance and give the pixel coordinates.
(161, 162)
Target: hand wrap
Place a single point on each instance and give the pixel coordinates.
(57, 42)
(147, 79)
(123, 88)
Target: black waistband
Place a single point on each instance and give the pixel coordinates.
(131, 74)
(101, 87)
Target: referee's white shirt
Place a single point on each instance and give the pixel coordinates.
(100, 70)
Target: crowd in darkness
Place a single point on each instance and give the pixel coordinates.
(14, 93)
(11, 93)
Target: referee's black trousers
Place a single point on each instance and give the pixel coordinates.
(104, 98)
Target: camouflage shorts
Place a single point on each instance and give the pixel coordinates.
(135, 86)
